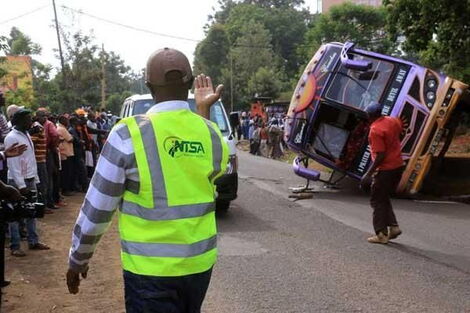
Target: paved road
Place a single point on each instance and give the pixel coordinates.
(312, 256)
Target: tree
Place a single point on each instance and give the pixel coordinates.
(365, 25)
(251, 52)
(287, 27)
(438, 31)
(83, 70)
(21, 44)
(115, 101)
(3, 49)
(276, 3)
(211, 54)
(265, 82)
(251, 34)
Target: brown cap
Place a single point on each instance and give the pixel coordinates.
(168, 67)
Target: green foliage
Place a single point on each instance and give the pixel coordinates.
(115, 100)
(21, 44)
(83, 72)
(283, 4)
(437, 31)
(3, 49)
(252, 34)
(21, 96)
(212, 53)
(265, 82)
(250, 53)
(365, 25)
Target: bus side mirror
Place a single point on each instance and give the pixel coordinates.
(357, 65)
(234, 120)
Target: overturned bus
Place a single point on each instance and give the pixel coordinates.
(327, 120)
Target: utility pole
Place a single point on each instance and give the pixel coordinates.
(60, 45)
(103, 79)
(231, 81)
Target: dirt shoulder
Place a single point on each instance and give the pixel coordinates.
(38, 280)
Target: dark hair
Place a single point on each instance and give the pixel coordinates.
(19, 115)
(63, 119)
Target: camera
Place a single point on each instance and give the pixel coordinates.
(25, 208)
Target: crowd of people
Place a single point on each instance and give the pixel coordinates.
(59, 157)
(265, 137)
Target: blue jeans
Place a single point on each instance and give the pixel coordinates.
(150, 294)
(33, 237)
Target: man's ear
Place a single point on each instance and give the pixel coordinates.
(190, 83)
(149, 86)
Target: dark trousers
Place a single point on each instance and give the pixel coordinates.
(384, 184)
(66, 175)
(79, 173)
(52, 160)
(43, 184)
(2, 249)
(149, 294)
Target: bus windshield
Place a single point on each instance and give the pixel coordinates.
(358, 88)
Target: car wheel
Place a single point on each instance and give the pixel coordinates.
(222, 205)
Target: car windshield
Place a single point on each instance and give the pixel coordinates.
(359, 88)
(142, 106)
(217, 113)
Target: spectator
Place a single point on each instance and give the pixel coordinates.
(256, 140)
(22, 173)
(79, 174)
(263, 134)
(38, 137)
(245, 125)
(275, 135)
(66, 154)
(4, 130)
(12, 109)
(52, 156)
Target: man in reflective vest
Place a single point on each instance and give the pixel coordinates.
(159, 170)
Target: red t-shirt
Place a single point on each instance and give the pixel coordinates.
(384, 136)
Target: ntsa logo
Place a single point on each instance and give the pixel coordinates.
(177, 147)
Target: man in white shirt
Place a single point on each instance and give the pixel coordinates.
(22, 173)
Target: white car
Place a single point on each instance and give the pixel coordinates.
(227, 184)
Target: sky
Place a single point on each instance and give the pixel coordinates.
(178, 18)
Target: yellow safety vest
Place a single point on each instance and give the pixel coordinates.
(168, 228)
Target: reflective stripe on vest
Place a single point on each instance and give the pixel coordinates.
(168, 227)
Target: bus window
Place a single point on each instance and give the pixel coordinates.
(357, 88)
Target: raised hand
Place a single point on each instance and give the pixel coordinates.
(205, 95)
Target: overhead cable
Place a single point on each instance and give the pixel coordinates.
(24, 14)
(128, 26)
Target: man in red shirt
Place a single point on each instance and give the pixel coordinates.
(385, 171)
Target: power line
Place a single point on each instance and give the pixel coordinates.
(24, 14)
(81, 12)
(129, 26)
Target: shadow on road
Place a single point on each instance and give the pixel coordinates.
(460, 263)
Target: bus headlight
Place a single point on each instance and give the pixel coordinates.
(432, 83)
(430, 89)
(431, 95)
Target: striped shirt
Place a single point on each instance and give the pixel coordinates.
(115, 173)
(39, 141)
(4, 128)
